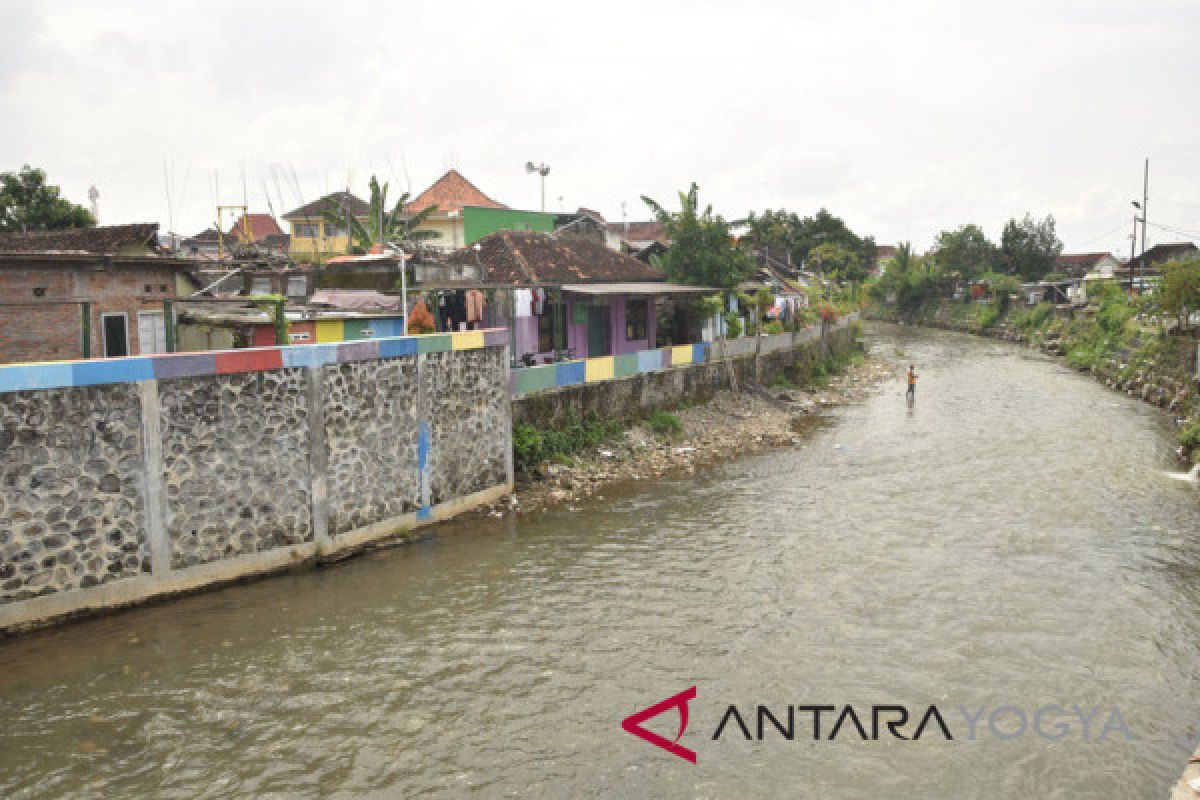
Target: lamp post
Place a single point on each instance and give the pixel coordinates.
(543, 170)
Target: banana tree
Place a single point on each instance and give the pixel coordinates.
(392, 228)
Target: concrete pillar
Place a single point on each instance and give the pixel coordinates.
(318, 458)
(154, 494)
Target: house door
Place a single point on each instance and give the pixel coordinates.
(598, 338)
(115, 327)
(152, 332)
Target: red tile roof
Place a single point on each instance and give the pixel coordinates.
(1086, 260)
(261, 226)
(521, 258)
(450, 193)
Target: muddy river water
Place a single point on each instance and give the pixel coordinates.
(1011, 542)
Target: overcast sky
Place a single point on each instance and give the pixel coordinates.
(904, 118)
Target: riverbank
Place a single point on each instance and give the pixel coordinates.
(1106, 340)
(734, 423)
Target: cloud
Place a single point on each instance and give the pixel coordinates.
(904, 118)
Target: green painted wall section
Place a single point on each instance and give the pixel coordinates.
(479, 222)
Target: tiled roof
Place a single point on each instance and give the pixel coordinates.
(107, 240)
(522, 258)
(261, 226)
(342, 200)
(1086, 260)
(640, 231)
(1172, 251)
(450, 193)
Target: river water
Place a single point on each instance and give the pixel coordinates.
(1010, 540)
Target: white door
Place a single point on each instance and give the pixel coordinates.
(152, 333)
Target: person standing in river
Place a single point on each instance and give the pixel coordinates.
(912, 383)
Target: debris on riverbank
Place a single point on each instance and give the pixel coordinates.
(754, 419)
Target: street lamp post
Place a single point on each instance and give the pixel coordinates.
(543, 170)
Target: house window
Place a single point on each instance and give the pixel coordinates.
(334, 230)
(297, 286)
(635, 320)
(260, 286)
(305, 230)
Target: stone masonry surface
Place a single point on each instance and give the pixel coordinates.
(235, 464)
(370, 410)
(466, 394)
(71, 490)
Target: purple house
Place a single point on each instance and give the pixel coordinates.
(565, 296)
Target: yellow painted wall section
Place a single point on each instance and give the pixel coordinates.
(449, 230)
(598, 369)
(681, 355)
(331, 330)
(467, 340)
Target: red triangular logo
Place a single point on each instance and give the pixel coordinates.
(633, 724)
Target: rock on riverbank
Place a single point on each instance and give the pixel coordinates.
(733, 423)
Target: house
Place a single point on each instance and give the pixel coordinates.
(636, 237)
(1093, 265)
(465, 214)
(85, 292)
(883, 254)
(315, 239)
(564, 296)
(203, 246)
(1144, 270)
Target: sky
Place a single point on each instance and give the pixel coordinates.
(904, 118)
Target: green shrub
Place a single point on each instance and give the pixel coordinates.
(664, 423)
(532, 445)
(1189, 435)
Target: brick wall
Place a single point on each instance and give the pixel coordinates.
(43, 328)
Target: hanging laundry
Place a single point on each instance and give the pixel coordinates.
(522, 303)
(539, 301)
(475, 306)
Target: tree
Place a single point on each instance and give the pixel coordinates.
(1179, 293)
(28, 203)
(702, 251)
(836, 262)
(902, 261)
(1029, 247)
(966, 250)
(382, 227)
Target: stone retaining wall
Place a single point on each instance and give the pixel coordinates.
(126, 479)
(740, 362)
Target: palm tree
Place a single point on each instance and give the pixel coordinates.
(383, 227)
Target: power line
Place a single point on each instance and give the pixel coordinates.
(1177, 231)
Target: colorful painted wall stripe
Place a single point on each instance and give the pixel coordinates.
(593, 370)
(63, 374)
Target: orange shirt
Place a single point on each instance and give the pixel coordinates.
(912, 378)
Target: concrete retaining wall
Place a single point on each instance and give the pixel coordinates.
(744, 361)
(125, 479)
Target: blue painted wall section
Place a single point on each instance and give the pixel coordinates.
(62, 374)
(423, 468)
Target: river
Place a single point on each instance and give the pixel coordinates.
(1010, 540)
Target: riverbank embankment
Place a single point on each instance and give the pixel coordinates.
(733, 423)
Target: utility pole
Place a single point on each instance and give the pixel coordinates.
(1145, 209)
